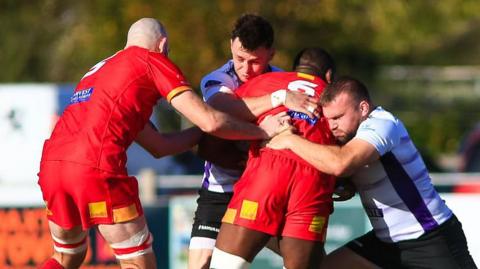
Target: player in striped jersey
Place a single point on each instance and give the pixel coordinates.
(412, 225)
(252, 49)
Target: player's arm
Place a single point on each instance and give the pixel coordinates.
(249, 108)
(221, 124)
(163, 144)
(336, 160)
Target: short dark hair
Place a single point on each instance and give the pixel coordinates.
(253, 31)
(353, 87)
(314, 61)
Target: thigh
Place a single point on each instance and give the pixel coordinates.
(309, 204)
(261, 196)
(241, 241)
(298, 253)
(120, 232)
(372, 251)
(61, 207)
(77, 194)
(345, 258)
(444, 247)
(72, 235)
(211, 207)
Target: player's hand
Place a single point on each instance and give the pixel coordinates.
(276, 124)
(344, 190)
(280, 141)
(299, 101)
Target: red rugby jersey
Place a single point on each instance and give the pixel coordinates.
(110, 106)
(315, 130)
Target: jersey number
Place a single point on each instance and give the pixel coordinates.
(96, 67)
(302, 85)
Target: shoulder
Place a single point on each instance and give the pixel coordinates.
(223, 76)
(160, 59)
(380, 120)
(381, 129)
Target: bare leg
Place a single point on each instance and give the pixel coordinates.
(344, 258)
(298, 253)
(68, 261)
(273, 245)
(241, 241)
(199, 258)
(120, 232)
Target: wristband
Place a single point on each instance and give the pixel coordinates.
(278, 98)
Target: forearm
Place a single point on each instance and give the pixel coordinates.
(326, 158)
(248, 108)
(229, 127)
(160, 145)
(181, 141)
(258, 105)
(215, 122)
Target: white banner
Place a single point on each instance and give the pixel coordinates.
(27, 115)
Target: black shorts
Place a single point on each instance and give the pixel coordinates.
(211, 207)
(443, 247)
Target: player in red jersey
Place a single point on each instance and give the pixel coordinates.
(82, 174)
(279, 194)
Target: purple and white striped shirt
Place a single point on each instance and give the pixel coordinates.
(396, 190)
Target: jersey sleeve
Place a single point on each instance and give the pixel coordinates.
(167, 77)
(381, 133)
(216, 82)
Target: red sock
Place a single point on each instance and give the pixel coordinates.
(52, 264)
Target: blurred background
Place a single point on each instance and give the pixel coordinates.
(420, 60)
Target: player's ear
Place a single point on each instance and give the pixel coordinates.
(329, 76)
(163, 45)
(272, 53)
(364, 108)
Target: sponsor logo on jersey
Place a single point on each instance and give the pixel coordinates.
(249, 210)
(98, 209)
(317, 224)
(229, 216)
(81, 96)
(302, 116)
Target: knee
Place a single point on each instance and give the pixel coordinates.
(199, 258)
(200, 252)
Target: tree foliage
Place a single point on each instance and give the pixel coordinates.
(58, 40)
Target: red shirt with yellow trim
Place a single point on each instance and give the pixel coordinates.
(313, 129)
(110, 106)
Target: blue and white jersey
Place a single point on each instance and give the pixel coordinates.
(225, 80)
(396, 190)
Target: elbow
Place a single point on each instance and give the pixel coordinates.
(211, 125)
(156, 152)
(340, 169)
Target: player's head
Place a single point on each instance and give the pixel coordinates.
(345, 103)
(315, 61)
(148, 33)
(251, 45)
